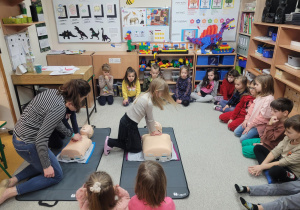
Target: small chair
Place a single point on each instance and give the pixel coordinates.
(2, 158)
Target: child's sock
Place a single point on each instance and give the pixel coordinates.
(248, 205)
(240, 189)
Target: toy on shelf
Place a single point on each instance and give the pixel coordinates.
(129, 45)
(175, 63)
(188, 62)
(210, 37)
(143, 64)
(223, 49)
(144, 48)
(155, 49)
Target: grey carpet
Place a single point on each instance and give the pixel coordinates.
(211, 157)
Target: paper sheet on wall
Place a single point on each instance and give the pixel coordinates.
(42, 31)
(44, 43)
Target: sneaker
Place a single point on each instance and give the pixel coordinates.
(106, 147)
(218, 108)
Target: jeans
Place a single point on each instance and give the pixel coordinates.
(130, 100)
(35, 171)
(223, 103)
(103, 99)
(252, 133)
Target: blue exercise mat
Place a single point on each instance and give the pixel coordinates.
(177, 187)
(75, 174)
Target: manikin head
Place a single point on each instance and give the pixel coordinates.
(87, 130)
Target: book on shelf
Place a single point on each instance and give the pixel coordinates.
(246, 22)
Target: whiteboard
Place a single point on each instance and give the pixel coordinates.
(192, 17)
(146, 24)
(87, 20)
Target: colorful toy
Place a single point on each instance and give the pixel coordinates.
(129, 45)
(144, 48)
(143, 64)
(210, 37)
(223, 49)
(155, 49)
(175, 63)
(180, 60)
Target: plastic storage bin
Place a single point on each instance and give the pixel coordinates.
(242, 63)
(200, 75)
(167, 75)
(222, 74)
(227, 59)
(208, 60)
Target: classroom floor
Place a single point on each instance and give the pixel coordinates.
(210, 153)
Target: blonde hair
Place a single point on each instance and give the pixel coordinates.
(106, 67)
(186, 68)
(151, 183)
(267, 84)
(105, 199)
(157, 85)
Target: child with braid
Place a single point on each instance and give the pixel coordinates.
(98, 193)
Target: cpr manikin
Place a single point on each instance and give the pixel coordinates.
(157, 147)
(77, 149)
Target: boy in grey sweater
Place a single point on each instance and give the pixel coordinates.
(106, 86)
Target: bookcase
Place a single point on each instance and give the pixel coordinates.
(286, 79)
(169, 71)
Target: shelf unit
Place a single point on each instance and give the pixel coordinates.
(219, 66)
(286, 79)
(17, 28)
(169, 57)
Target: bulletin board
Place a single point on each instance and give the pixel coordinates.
(18, 46)
(191, 17)
(88, 20)
(146, 24)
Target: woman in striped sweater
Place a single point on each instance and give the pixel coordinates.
(31, 134)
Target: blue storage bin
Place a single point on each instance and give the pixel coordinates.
(200, 75)
(208, 60)
(227, 59)
(274, 36)
(202, 60)
(222, 74)
(242, 63)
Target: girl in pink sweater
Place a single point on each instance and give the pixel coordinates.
(259, 113)
(151, 189)
(98, 193)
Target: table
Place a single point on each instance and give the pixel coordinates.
(84, 72)
(3, 159)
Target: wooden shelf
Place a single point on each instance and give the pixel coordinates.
(246, 34)
(289, 83)
(170, 68)
(267, 24)
(291, 26)
(215, 54)
(271, 42)
(166, 55)
(23, 24)
(169, 82)
(261, 58)
(289, 70)
(291, 47)
(218, 66)
(255, 72)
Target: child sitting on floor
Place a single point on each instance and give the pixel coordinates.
(227, 86)
(151, 188)
(130, 86)
(241, 88)
(106, 82)
(237, 116)
(259, 113)
(155, 72)
(284, 160)
(99, 193)
(183, 87)
(207, 89)
(290, 201)
(274, 132)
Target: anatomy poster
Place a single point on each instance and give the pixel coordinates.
(210, 14)
(143, 24)
(88, 20)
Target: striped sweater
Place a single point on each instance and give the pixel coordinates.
(42, 115)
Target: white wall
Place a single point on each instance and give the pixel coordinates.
(40, 58)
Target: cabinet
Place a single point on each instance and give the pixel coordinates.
(286, 79)
(222, 62)
(170, 71)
